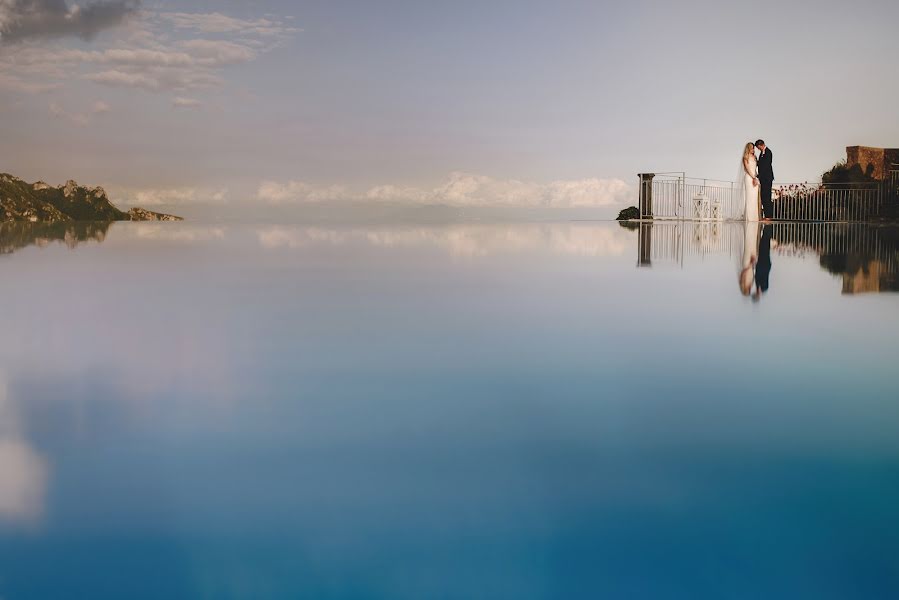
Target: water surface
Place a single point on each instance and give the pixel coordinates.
(530, 410)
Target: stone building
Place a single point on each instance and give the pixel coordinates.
(880, 161)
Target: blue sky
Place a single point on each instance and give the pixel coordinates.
(466, 103)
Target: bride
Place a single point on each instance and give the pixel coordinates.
(747, 185)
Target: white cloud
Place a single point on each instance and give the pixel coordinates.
(22, 20)
(170, 196)
(123, 78)
(156, 81)
(77, 118)
(217, 53)
(166, 196)
(23, 84)
(219, 23)
(588, 192)
(141, 60)
(463, 190)
(299, 192)
(397, 193)
(181, 102)
(466, 189)
(140, 57)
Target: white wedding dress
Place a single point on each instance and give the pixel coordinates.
(750, 255)
(748, 192)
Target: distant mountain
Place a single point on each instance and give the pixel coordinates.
(41, 203)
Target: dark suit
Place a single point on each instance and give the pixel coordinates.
(763, 266)
(766, 179)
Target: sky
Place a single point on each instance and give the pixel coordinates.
(258, 103)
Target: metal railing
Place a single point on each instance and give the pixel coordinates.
(827, 202)
(893, 186)
(671, 196)
(676, 196)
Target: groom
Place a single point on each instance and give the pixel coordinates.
(766, 178)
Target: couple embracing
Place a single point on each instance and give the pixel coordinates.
(754, 182)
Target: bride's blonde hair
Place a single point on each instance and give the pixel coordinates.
(749, 149)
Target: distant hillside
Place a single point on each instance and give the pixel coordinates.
(41, 203)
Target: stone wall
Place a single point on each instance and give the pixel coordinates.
(879, 160)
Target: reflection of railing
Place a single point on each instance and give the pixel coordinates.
(679, 241)
(866, 257)
(676, 196)
(840, 239)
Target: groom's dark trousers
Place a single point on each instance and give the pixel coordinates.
(766, 180)
(763, 266)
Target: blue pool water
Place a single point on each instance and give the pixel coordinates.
(503, 410)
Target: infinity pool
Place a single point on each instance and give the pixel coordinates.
(521, 410)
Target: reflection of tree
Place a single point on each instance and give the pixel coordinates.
(15, 236)
(863, 272)
(867, 257)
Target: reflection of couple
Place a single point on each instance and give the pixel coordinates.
(755, 266)
(754, 181)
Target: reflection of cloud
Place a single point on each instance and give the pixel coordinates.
(461, 240)
(462, 189)
(182, 233)
(23, 479)
(290, 237)
(23, 472)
